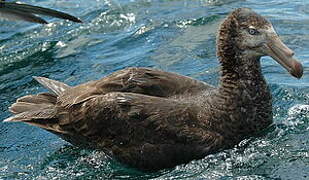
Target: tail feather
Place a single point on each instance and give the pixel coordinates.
(40, 109)
(37, 110)
(38, 106)
(21, 107)
(33, 102)
(54, 86)
(41, 98)
(34, 107)
(33, 115)
(45, 118)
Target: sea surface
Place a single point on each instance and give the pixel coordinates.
(171, 35)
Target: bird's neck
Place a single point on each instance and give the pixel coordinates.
(244, 97)
(241, 68)
(242, 79)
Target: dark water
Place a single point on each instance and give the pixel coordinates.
(172, 35)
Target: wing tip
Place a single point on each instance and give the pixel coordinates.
(10, 119)
(77, 20)
(35, 76)
(38, 78)
(28, 12)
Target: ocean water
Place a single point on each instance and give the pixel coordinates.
(172, 35)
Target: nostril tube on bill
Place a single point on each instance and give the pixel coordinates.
(292, 53)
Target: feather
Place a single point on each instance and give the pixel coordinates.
(17, 11)
(54, 86)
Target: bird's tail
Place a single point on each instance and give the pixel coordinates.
(39, 109)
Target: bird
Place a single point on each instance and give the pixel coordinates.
(150, 120)
(25, 12)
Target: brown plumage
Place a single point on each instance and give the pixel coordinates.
(150, 119)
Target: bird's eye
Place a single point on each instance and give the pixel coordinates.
(253, 31)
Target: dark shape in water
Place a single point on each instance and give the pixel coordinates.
(25, 12)
(150, 119)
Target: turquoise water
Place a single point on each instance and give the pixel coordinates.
(172, 35)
